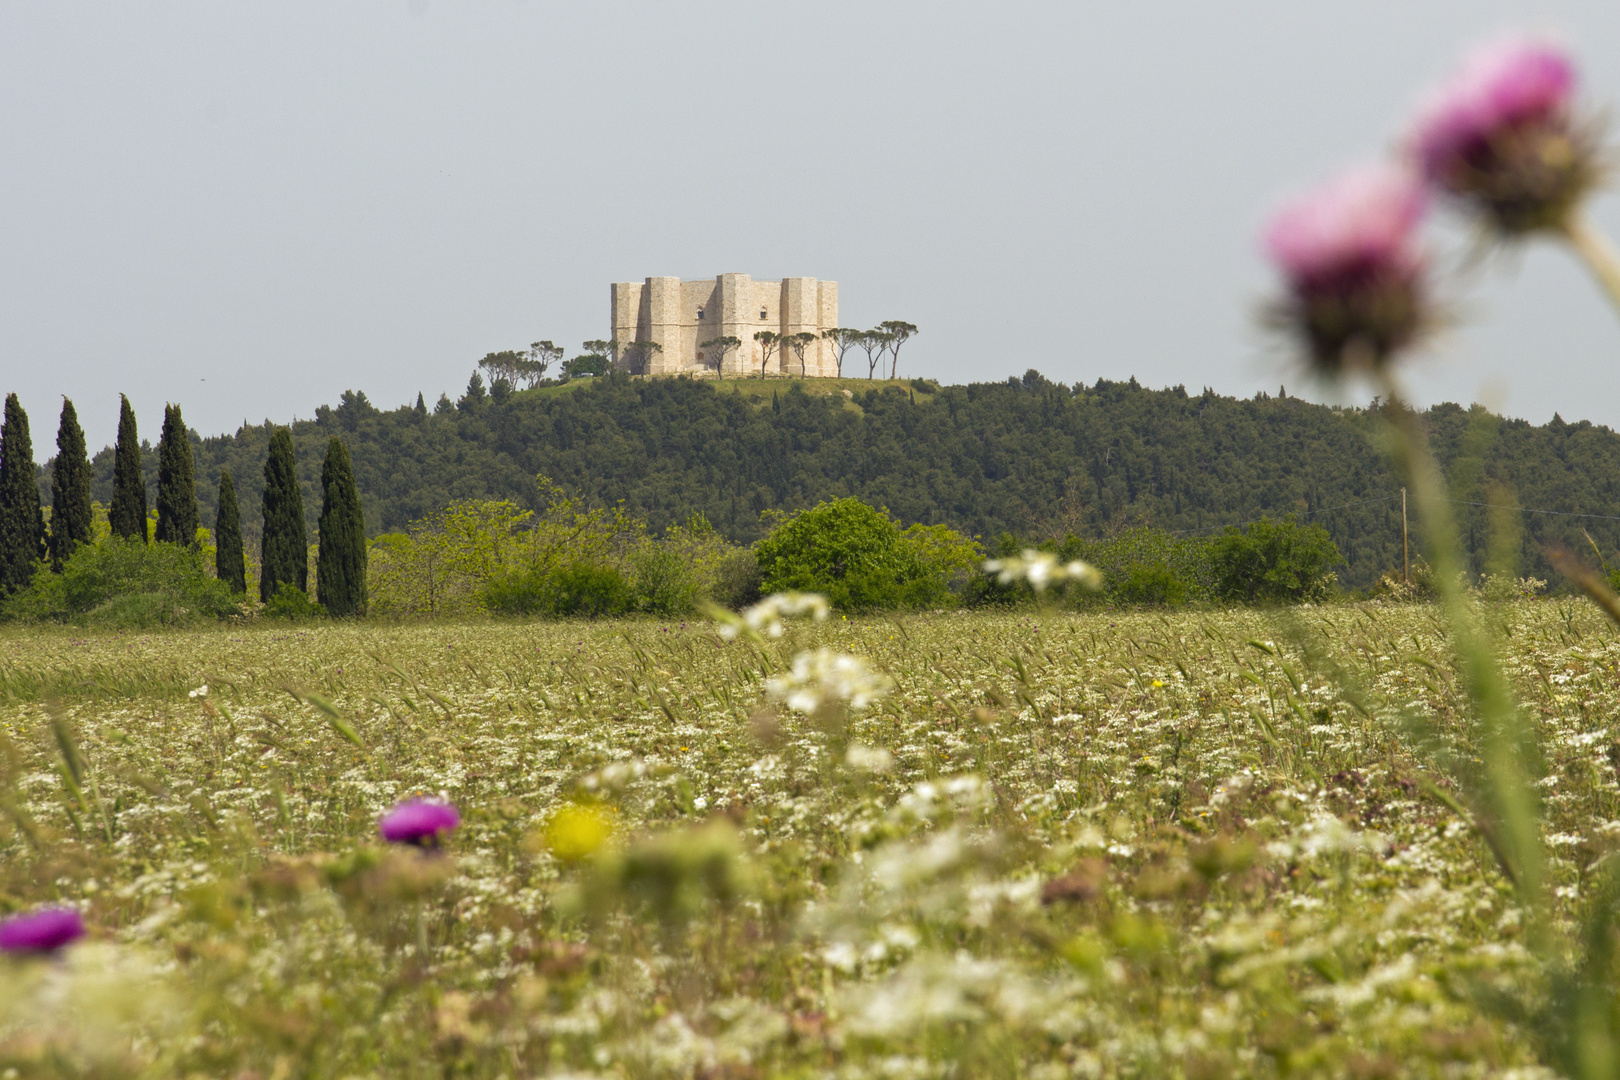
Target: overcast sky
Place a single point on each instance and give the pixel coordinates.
(248, 208)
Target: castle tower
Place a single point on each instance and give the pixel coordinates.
(678, 316)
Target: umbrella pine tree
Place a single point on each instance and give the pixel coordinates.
(22, 525)
(128, 514)
(177, 489)
(230, 563)
(340, 572)
(70, 488)
(284, 550)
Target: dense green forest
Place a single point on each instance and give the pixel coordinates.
(1027, 456)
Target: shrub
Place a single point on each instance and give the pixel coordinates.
(125, 582)
(581, 588)
(291, 602)
(1152, 583)
(589, 589)
(1275, 562)
(737, 581)
(860, 559)
(661, 582)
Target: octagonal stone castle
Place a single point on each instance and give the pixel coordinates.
(678, 316)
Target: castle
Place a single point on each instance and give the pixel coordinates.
(679, 316)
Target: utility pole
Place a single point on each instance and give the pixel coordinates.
(1406, 566)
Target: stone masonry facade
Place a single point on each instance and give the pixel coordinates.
(680, 315)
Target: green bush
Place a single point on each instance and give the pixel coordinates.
(291, 602)
(590, 590)
(859, 558)
(661, 582)
(1275, 562)
(1152, 583)
(126, 583)
(737, 581)
(578, 589)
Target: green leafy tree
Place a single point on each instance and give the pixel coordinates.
(284, 551)
(849, 551)
(177, 520)
(898, 333)
(230, 561)
(843, 339)
(1275, 562)
(797, 344)
(341, 564)
(589, 364)
(607, 349)
(22, 524)
(639, 355)
(875, 343)
(769, 342)
(70, 489)
(128, 514)
(716, 348)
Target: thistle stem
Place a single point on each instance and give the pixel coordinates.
(1599, 254)
(1511, 824)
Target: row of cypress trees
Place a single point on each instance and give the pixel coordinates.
(24, 539)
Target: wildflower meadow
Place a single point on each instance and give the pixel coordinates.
(1334, 839)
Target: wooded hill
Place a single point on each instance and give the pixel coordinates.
(1027, 456)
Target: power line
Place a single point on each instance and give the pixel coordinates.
(1529, 510)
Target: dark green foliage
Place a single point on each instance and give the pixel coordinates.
(475, 398)
(850, 552)
(126, 582)
(284, 547)
(1153, 583)
(22, 524)
(579, 589)
(588, 364)
(177, 520)
(340, 572)
(1024, 455)
(1274, 562)
(1146, 566)
(291, 602)
(661, 582)
(739, 581)
(70, 489)
(127, 515)
(230, 559)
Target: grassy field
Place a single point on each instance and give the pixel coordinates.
(1060, 845)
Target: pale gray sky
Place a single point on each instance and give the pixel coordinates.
(293, 199)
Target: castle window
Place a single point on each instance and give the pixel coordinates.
(700, 314)
(762, 313)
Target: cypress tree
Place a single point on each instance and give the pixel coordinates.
(22, 525)
(341, 567)
(128, 514)
(230, 564)
(70, 488)
(284, 550)
(177, 489)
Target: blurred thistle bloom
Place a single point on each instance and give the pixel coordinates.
(1355, 272)
(1501, 136)
(764, 619)
(44, 931)
(1042, 570)
(418, 822)
(824, 678)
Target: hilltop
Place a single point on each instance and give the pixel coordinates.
(1026, 456)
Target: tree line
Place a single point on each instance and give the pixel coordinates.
(1028, 457)
(62, 541)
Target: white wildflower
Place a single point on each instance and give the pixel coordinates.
(868, 759)
(1041, 569)
(764, 619)
(200, 692)
(824, 677)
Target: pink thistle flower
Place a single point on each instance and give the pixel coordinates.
(1500, 134)
(1350, 254)
(418, 822)
(43, 931)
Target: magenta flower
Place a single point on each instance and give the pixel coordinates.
(1350, 254)
(418, 822)
(1500, 134)
(43, 931)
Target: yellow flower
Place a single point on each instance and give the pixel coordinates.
(575, 832)
(1158, 682)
